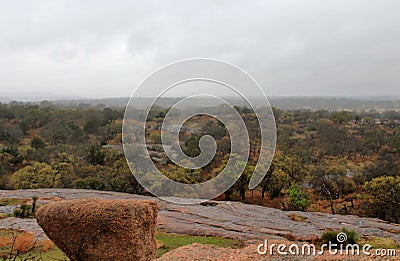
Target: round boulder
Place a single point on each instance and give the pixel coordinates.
(95, 229)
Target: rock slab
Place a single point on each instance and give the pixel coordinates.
(96, 229)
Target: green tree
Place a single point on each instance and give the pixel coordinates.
(192, 146)
(37, 143)
(375, 140)
(235, 173)
(183, 175)
(92, 125)
(341, 117)
(95, 155)
(384, 165)
(297, 199)
(6, 169)
(384, 194)
(216, 129)
(37, 175)
(65, 168)
(277, 177)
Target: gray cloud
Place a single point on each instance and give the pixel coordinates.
(106, 48)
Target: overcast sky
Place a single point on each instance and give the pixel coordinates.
(106, 48)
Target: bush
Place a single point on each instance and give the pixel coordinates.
(37, 175)
(297, 199)
(17, 212)
(331, 236)
(37, 143)
(23, 211)
(349, 185)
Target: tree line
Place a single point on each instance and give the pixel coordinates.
(322, 156)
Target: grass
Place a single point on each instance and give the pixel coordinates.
(12, 201)
(172, 241)
(380, 242)
(52, 254)
(36, 254)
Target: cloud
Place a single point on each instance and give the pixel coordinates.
(104, 48)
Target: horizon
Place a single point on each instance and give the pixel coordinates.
(39, 98)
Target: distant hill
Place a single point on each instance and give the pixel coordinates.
(380, 103)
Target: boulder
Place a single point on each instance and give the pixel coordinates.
(95, 229)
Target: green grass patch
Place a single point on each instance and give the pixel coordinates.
(52, 254)
(12, 201)
(172, 241)
(35, 255)
(380, 242)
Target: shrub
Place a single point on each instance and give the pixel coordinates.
(297, 199)
(349, 185)
(37, 175)
(23, 211)
(37, 143)
(332, 236)
(17, 212)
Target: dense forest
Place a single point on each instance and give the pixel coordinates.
(344, 162)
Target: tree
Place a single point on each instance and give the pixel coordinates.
(24, 125)
(385, 165)
(56, 131)
(341, 117)
(278, 181)
(217, 130)
(265, 182)
(183, 175)
(330, 183)
(65, 168)
(14, 134)
(375, 140)
(92, 125)
(384, 194)
(15, 153)
(191, 148)
(37, 175)
(283, 170)
(95, 155)
(243, 182)
(293, 166)
(122, 179)
(6, 168)
(155, 138)
(37, 143)
(109, 116)
(235, 173)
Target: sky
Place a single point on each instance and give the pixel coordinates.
(98, 49)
